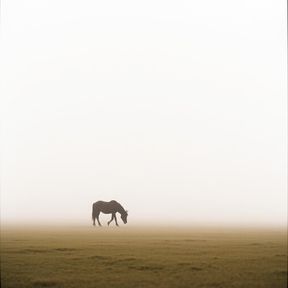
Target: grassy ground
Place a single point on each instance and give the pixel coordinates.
(130, 257)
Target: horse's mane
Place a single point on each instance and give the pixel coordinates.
(121, 207)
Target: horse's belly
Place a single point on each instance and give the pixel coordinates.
(106, 211)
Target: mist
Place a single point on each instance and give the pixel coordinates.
(181, 118)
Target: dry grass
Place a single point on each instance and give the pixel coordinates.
(130, 257)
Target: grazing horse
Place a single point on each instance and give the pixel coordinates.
(111, 207)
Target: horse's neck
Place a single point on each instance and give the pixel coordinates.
(120, 209)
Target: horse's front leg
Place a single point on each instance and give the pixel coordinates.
(115, 219)
(112, 217)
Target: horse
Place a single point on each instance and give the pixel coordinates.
(111, 207)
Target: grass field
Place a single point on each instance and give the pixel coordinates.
(133, 257)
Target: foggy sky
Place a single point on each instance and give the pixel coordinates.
(177, 109)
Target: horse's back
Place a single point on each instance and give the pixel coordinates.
(100, 202)
(106, 207)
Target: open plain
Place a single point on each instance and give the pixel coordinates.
(147, 257)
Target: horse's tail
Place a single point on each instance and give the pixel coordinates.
(93, 213)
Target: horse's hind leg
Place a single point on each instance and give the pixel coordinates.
(93, 214)
(97, 217)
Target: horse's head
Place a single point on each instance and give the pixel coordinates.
(124, 216)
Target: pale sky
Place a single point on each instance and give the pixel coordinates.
(177, 109)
